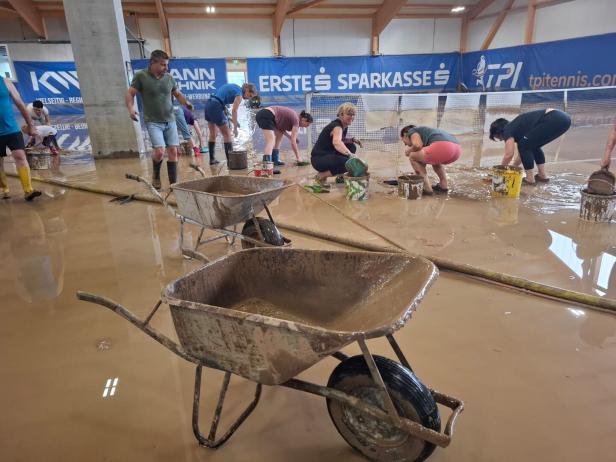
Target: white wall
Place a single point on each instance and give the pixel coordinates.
(40, 52)
(409, 36)
(577, 18)
(327, 37)
(220, 38)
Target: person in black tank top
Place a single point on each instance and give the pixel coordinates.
(530, 131)
(333, 148)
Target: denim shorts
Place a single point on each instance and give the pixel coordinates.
(215, 113)
(180, 121)
(163, 134)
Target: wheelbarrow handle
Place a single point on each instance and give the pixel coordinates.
(130, 176)
(151, 187)
(198, 169)
(142, 325)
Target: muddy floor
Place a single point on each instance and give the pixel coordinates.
(537, 375)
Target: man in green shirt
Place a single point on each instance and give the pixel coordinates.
(157, 89)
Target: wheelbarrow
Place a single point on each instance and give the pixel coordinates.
(267, 314)
(220, 203)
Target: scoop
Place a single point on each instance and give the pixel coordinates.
(601, 182)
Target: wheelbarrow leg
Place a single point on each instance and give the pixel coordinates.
(398, 351)
(211, 441)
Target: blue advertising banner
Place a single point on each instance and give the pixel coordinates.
(350, 74)
(195, 78)
(573, 63)
(56, 84)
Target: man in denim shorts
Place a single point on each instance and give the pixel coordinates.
(157, 89)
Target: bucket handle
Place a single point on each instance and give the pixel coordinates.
(141, 325)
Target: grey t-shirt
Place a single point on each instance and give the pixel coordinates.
(156, 95)
(430, 135)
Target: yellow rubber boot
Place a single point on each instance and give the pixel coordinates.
(26, 183)
(4, 186)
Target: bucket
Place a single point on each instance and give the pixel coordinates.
(597, 207)
(601, 182)
(264, 169)
(39, 160)
(506, 181)
(356, 167)
(410, 186)
(238, 160)
(356, 187)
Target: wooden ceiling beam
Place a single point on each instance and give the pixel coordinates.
(499, 21)
(30, 14)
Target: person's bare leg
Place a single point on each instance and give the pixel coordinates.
(227, 138)
(541, 169)
(530, 176)
(420, 168)
(211, 142)
(270, 140)
(442, 176)
(23, 170)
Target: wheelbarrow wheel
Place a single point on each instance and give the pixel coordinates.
(375, 439)
(268, 229)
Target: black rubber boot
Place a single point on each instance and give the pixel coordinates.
(211, 145)
(172, 172)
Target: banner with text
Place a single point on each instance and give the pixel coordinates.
(56, 84)
(351, 74)
(572, 63)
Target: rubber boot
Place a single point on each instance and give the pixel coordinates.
(156, 173)
(26, 183)
(172, 172)
(4, 186)
(228, 149)
(211, 145)
(276, 158)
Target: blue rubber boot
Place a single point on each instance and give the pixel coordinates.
(276, 158)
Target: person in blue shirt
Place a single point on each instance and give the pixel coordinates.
(12, 138)
(216, 114)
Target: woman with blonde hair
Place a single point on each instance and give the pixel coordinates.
(333, 148)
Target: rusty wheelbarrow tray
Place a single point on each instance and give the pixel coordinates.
(267, 314)
(222, 202)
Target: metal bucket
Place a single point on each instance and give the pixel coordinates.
(238, 160)
(597, 207)
(356, 187)
(39, 160)
(506, 181)
(410, 186)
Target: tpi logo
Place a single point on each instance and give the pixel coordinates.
(502, 72)
(63, 78)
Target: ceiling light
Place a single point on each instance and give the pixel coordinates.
(458, 9)
(210, 9)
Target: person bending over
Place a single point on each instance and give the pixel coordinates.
(430, 146)
(276, 122)
(216, 114)
(530, 131)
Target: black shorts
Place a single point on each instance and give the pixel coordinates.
(266, 120)
(13, 141)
